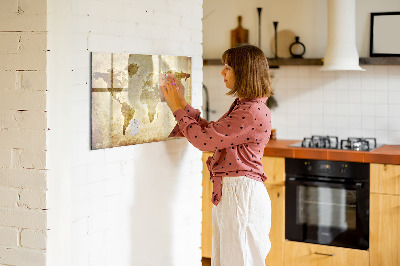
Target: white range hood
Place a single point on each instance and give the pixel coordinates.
(341, 51)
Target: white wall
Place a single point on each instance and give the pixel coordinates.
(311, 102)
(133, 205)
(23, 133)
(306, 19)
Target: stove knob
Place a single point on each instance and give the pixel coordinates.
(343, 168)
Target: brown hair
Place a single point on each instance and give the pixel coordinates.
(250, 66)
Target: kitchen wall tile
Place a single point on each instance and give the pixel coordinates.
(355, 122)
(367, 81)
(316, 82)
(355, 132)
(329, 122)
(342, 96)
(394, 123)
(291, 71)
(292, 82)
(367, 96)
(304, 72)
(366, 99)
(394, 71)
(381, 123)
(381, 110)
(342, 122)
(381, 84)
(367, 133)
(355, 109)
(367, 110)
(394, 83)
(394, 137)
(304, 82)
(394, 97)
(367, 123)
(381, 97)
(394, 110)
(354, 80)
(315, 72)
(355, 96)
(342, 109)
(380, 71)
(329, 109)
(328, 74)
(381, 136)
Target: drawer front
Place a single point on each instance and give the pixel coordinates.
(297, 254)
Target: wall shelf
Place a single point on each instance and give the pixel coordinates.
(274, 63)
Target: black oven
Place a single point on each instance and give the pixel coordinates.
(327, 202)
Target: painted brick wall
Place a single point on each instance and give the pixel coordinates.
(134, 205)
(23, 132)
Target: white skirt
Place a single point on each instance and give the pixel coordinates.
(241, 223)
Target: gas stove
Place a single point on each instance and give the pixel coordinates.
(332, 142)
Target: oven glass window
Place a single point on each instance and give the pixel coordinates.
(326, 207)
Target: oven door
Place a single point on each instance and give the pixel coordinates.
(327, 213)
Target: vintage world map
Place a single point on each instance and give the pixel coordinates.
(127, 105)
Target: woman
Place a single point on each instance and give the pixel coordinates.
(242, 208)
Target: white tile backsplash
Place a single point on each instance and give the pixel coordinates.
(343, 103)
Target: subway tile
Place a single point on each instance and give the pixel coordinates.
(367, 96)
(380, 71)
(394, 97)
(367, 122)
(394, 137)
(380, 84)
(381, 110)
(382, 136)
(355, 96)
(355, 109)
(355, 122)
(394, 110)
(291, 71)
(381, 123)
(367, 110)
(394, 123)
(381, 97)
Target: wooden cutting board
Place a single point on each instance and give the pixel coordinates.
(239, 35)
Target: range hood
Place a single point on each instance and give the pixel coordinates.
(341, 51)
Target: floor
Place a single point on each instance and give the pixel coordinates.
(206, 261)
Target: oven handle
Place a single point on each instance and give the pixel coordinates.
(357, 185)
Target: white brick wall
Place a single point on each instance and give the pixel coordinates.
(22, 132)
(134, 205)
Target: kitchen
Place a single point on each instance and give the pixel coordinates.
(313, 104)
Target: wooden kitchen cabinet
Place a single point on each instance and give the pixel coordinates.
(206, 225)
(274, 168)
(305, 254)
(385, 215)
(385, 178)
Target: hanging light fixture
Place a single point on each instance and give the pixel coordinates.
(341, 51)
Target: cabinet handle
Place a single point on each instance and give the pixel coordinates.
(324, 254)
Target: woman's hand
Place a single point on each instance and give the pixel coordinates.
(174, 94)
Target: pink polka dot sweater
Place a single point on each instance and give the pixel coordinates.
(238, 139)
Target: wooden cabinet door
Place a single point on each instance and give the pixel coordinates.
(384, 236)
(385, 178)
(277, 233)
(274, 168)
(304, 254)
(206, 226)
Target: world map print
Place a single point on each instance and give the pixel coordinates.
(127, 105)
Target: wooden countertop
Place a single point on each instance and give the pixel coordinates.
(389, 154)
